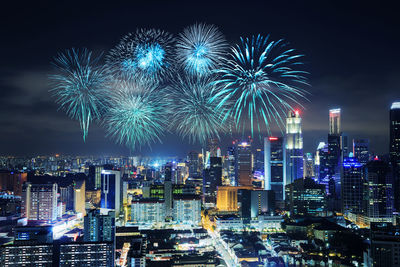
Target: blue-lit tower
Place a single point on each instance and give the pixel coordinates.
(274, 166)
(294, 147)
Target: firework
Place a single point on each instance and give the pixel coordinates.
(146, 54)
(136, 115)
(200, 48)
(80, 86)
(197, 113)
(262, 78)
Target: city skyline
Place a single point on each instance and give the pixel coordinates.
(32, 125)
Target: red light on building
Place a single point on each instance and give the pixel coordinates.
(297, 112)
(273, 138)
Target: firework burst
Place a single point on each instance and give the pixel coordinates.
(80, 86)
(200, 48)
(262, 78)
(146, 54)
(198, 114)
(136, 115)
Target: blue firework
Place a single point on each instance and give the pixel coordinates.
(137, 114)
(197, 112)
(146, 55)
(80, 86)
(200, 48)
(263, 79)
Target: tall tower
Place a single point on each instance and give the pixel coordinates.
(334, 121)
(243, 164)
(274, 166)
(352, 184)
(294, 147)
(394, 150)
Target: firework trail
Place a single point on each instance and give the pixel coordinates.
(136, 115)
(263, 79)
(80, 86)
(200, 48)
(146, 55)
(197, 112)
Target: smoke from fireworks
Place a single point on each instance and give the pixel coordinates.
(146, 54)
(197, 113)
(200, 48)
(79, 87)
(263, 79)
(136, 115)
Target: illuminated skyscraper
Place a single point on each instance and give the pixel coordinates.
(99, 227)
(309, 168)
(274, 165)
(111, 190)
(194, 164)
(361, 150)
(394, 150)
(39, 202)
(294, 147)
(352, 184)
(244, 164)
(80, 197)
(334, 121)
(212, 179)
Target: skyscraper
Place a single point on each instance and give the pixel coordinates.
(80, 197)
(194, 164)
(243, 164)
(111, 190)
(309, 168)
(212, 147)
(212, 179)
(274, 165)
(334, 121)
(378, 196)
(394, 150)
(294, 147)
(361, 150)
(99, 227)
(352, 186)
(39, 202)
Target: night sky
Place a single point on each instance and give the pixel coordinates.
(351, 50)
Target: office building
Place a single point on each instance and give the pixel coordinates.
(294, 147)
(212, 147)
(39, 202)
(80, 197)
(227, 197)
(111, 190)
(67, 196)
(212, 179)
(262, 203)
(385, 249)
(306, 198)
(99, 227)
(321, 166)
(87, 254)
(352, 186)
(243, 164)
(394, 150)
(274, 165)
(259, 161)
(361, 150)
(187, 210)
(378, 196)
(230, 164)
(30, 235)
(334, 121)
(94, 177)
(194, 164)
(334, 157)
(309, 167)
(40, 255)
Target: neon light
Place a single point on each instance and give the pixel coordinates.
(273, 138)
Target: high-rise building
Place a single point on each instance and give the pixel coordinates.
(230, 163)
(394, 150)
(321, 166)
(243, 164)
(352, 186)
(309, 167)
(168, 190)
(274, 165)
(80, 197)
(148, 211)
(99, 227)
(212, 147)
(227, 197)
(294, 147)
(262, 202)
(212, 179)
(67, 196)
(39, 202)
(111, 190)
(194, 164)
(187, 210)
(27, 255)
(94, 177)
(361, 150)
(378, 193)
(259, 161)
(334, 121)
(305, 197)
(86, 254)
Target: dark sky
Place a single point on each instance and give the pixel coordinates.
(351, 48)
